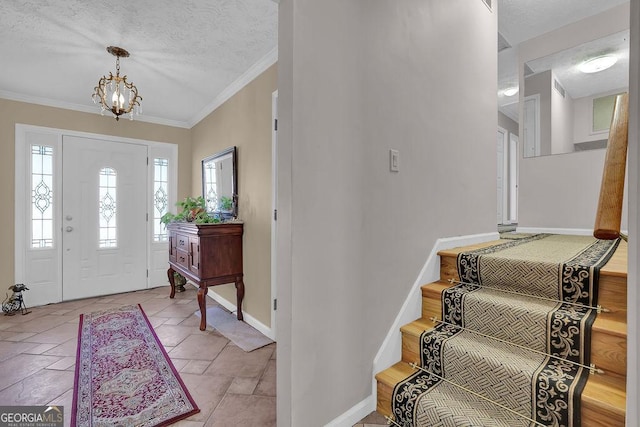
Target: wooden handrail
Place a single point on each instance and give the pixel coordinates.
(609, 213)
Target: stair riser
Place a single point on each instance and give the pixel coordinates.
(596, 417)
(383, 403)
(609, 352)
(612, 294)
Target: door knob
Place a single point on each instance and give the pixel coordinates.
(68, 218)
(69, 228)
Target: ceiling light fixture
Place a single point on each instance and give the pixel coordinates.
(115, 93)
(599, 63)
(510, 91)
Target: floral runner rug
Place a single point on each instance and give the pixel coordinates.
(123, 375)
(497, 349)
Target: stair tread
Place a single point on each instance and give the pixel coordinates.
(616, 266)
(453, 252)
(435, 287)
(417, 327)
(394, 374)
(611, 326)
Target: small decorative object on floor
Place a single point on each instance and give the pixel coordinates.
(123, 375)
(14, 302)
(180, 281)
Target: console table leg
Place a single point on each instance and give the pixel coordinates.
(202, 302)
(172, 282)
(240, 296)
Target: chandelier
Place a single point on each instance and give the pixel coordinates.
(115, 93)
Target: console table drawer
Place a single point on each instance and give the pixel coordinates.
(182, 258)
(182, 242)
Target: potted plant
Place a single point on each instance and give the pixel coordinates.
(226, 204)
(192, 209)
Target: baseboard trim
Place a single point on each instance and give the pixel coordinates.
(355, 414)
(570, 231)
(248, 319)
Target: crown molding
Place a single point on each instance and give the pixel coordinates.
(256, 69)
(12, 96)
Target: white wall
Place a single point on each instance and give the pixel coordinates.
(357, 78)
(561, 120)
(562, 190)
(540, 84)
(633, 295)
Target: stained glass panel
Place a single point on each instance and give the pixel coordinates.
(160, 198)
(107, 208)
(41, 196)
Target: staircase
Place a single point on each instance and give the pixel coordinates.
(603, 398)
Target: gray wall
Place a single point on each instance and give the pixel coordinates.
(561, 191)
(356, 79)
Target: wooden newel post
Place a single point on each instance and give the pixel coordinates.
(609, 213)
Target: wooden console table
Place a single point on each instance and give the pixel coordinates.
(208, 255)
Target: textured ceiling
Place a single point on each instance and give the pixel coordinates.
(187, 55)
(520, 20)
(184, 54)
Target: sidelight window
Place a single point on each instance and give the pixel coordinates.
(107, 208)
(160, 198)
(41, 196)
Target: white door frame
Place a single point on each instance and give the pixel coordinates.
(501, 172)
(274, 204)
(20, 197)
(513, 178)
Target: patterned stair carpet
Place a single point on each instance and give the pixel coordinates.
(501, 357)
(123, 374)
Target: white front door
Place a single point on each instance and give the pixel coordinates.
(104, 217)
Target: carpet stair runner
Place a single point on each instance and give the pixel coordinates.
(469, 357)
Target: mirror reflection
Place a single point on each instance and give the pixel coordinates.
(568, 96)
(219, 184)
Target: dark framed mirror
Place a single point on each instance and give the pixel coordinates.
(220, 183)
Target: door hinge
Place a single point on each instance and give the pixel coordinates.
(147, 216)
(275, 304)
(275, 214)
(275, 124)
(147, 272)
(147, 161)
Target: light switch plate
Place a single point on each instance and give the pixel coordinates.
(394, 160)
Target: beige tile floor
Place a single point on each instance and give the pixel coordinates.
(231, 387)
(374, 419)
